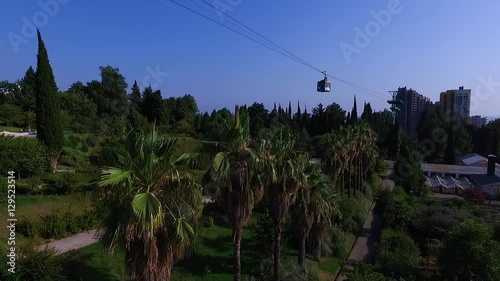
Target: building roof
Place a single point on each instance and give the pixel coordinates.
(473, 159)
(455, 169)
(485, 179)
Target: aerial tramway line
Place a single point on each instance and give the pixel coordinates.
(322, 86)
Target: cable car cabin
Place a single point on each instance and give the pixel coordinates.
(324, 86)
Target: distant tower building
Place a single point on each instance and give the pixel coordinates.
(455, 103)
(478, 121)
(411, 110)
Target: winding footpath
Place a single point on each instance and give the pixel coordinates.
(364, 246)
(71, 243)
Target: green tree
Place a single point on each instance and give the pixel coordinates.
(110, 96)
(281, 171)
(397, 255)
(151, 202)
(315, 201)
(367, 114)
(259, 118)
(354, 112)
(234, 168)
(11, 115)
(81, 110)
(450, 153)
(24, 96)
(135, 97)
(76, 87)
(394, 140)
(152, 106)
(430, 134)
(48, 114)
(470, 254)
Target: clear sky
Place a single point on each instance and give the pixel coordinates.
(427, 45)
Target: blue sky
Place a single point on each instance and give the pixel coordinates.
(430, 46)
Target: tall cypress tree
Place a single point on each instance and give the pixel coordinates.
(354, 112)
(135, 97)
(298, 117)
(48, 114)
(289, 110)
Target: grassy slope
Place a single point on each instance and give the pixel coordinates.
(39, 205)
(10, 129)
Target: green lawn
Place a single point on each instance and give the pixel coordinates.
(212, 259)
(39, 205)
(10, 129)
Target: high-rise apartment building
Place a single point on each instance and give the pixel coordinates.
(478, 121)
(411, 109)
(455, 103)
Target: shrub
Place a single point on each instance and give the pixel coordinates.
(470, 254)
(53, 226)
(289, 271)
(28, 227)
(62, 183)
(88, 219)
(397, 255)
(38, 265)
(26, 155)
(264, 234)
(71, 221)
(336, 244)
(84, 147)
(208, 221)
(91, 140)
(77, 265)
(496, 232)
(353, 215)
(58, 224)
(364, 272)
(398, 211)
(473, 195)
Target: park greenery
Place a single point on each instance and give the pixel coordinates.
(177, 194)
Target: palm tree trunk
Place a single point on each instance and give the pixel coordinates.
(237, 252)
(277, 251)
(317, 248)
(302, 250)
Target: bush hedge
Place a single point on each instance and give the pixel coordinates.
(58, 225)
(27, 156)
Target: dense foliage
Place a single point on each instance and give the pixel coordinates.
(27, 156)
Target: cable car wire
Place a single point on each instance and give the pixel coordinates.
(262, 36)
(236, 31)
(287, 53)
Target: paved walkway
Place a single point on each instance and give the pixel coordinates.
(364, 246)
(73, 242)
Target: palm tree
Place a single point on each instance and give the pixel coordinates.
(235, 168)
(151, 202)
(314, 202)
(281, 170)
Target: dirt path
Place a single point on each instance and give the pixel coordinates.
(364, 246)
(73, 242)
